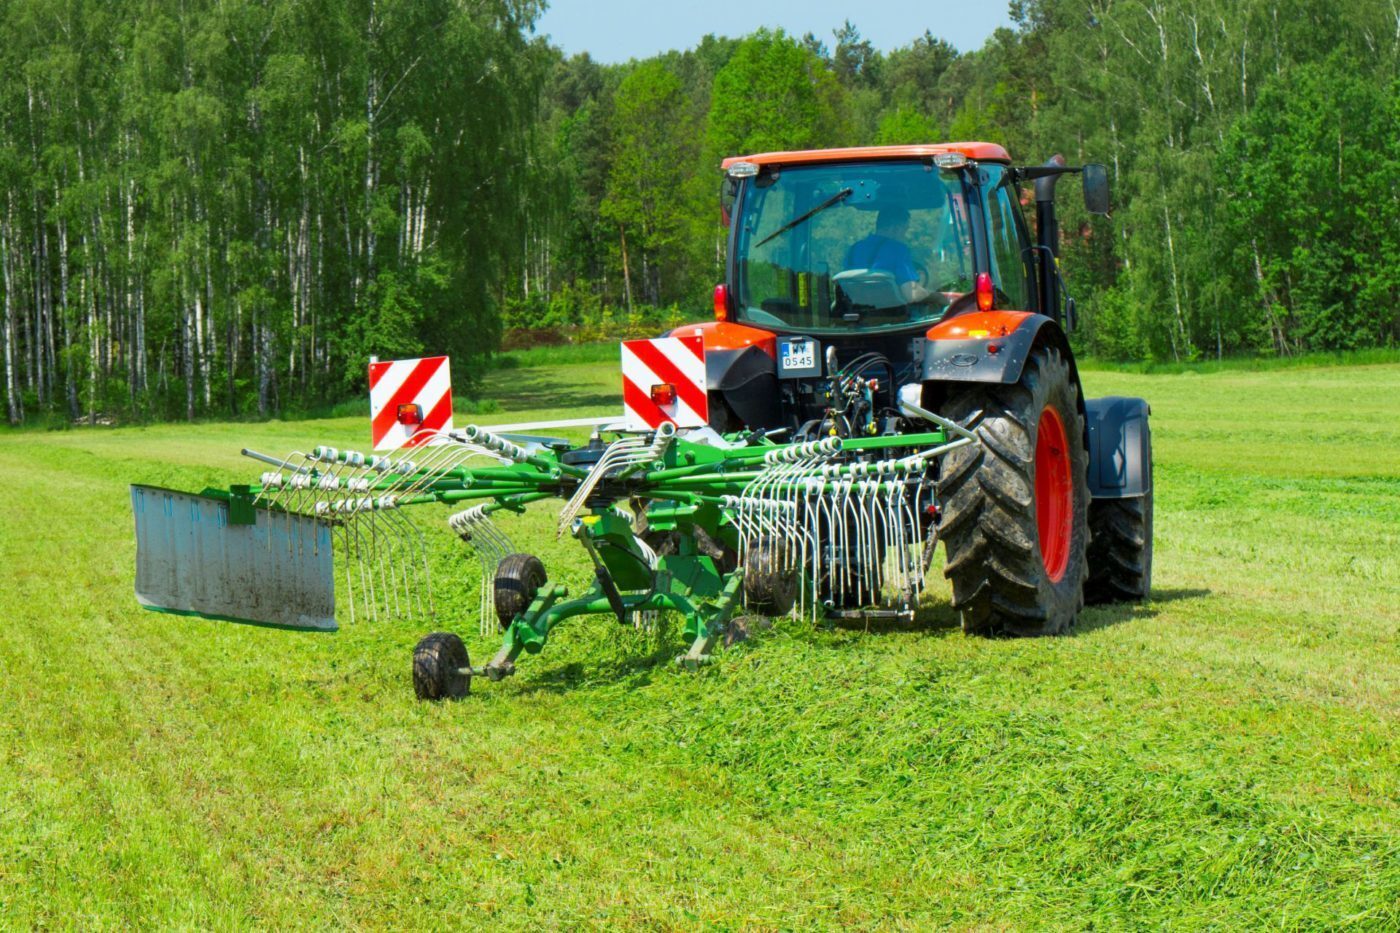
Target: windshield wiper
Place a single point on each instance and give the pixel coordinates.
(841, 195)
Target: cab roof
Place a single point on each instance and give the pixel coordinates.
(978, 152)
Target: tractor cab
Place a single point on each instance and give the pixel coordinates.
(879, 253)
(865, 245)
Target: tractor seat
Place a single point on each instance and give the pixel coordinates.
(869, 289)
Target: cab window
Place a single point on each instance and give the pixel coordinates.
(1010, 248)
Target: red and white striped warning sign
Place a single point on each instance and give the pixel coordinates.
(407, 397)
(664, 380)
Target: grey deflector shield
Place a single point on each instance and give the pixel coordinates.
(190, 560)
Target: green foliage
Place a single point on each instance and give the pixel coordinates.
(905, 126)
(773, 94)
(1318, 202)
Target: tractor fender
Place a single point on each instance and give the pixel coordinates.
(739, 368)
(986, 346)
(1120, 447)
(728, 344)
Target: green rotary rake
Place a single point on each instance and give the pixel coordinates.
(701, 525)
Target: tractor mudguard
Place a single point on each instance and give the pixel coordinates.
(1120, 447)
(981, 346)
(739, 365)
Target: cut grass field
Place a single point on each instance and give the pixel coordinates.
(1225, 755)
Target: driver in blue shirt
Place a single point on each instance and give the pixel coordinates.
(885, 251)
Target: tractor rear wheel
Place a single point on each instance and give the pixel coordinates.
(518, 578)
(1120, 551)
(1015, 507)
(439, 663)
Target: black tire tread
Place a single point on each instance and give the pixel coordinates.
(518, 578)
(1120, 551)
(988, 506)
(436, 659)
(769, 588)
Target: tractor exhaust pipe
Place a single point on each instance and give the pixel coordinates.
(1047, 236)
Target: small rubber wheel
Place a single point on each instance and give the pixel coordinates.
(741, 628)
(769, 587)
(518, 578)
(441, 668)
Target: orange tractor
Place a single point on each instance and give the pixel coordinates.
(862, 284)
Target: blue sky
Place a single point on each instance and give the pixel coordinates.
(616, 30)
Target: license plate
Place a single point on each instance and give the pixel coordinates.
(798, 354)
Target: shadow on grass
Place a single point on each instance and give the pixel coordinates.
(636, 668)
(938, 619)
(1094, 618)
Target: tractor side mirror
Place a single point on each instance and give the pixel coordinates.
(1095, 181)
(728, 193)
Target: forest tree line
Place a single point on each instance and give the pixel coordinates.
(224, 207)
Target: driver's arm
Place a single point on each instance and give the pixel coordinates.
(908, 277)
(914, 292)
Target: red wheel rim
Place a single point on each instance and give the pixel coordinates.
(1054, 493)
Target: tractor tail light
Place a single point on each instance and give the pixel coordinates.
(985, 296)
(721, 302)
(664, 393)
(409, 414)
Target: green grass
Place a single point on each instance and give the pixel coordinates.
(1224, 755)
(1369, 357)
(563, 354)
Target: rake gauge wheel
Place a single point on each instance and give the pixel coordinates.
(1015, 507)
(769, 587)
(518, 578)
(441, 668)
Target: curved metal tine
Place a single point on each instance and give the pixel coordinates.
(272, 500)
(860, 569)
(428, 463)
(831, 510)
(370, 528)
(880, 505)
(338, 530)
(419, 543)
(613, 453)
(899, 532)
(791, 545)
(895, 540)
(874, 576)
(367, 560)
(855, 505)
(878, 542)
(433, 461)
(393, 562)
(811, 542)
(892, 565)
(853, 510)
(843, 564)
(354, 555)
(891, 573)
(797, 518)
(916, 550)
(822, 560)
